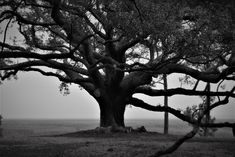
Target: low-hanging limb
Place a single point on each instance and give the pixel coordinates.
(177, 144)
(140, 103)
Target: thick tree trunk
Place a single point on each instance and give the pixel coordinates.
(113, 96)
(111, 113)
(106, 116)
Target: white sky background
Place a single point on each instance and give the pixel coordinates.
(35, 96)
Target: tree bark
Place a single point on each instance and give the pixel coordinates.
(113, 97)
(111, 111)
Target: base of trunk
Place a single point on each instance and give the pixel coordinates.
(111, 111)
(112, 117)
(112, 129)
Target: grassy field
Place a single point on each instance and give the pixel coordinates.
(38, 140)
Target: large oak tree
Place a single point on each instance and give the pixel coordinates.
(116, 48)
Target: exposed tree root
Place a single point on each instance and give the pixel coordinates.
(113, 129)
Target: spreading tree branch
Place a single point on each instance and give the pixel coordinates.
(60, 77)
(174, 91)
(204, 76)
(27, 54)
(141, 104)
(48, 63)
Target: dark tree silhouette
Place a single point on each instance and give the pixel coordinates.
(116, 48)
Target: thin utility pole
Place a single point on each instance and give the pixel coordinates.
(166, 117)
(208, 101)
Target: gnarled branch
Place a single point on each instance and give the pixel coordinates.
(60, 77)
(48, 63)
(140, 103)
(181, 91)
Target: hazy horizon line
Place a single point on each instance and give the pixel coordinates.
(99, 119)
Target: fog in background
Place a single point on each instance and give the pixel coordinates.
(35, 96)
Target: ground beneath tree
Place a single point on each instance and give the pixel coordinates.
(93, 144)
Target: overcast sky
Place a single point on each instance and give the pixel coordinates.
(36, 96)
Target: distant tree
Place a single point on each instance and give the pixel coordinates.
(116, 48)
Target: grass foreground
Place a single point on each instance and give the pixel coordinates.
(90, 144)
